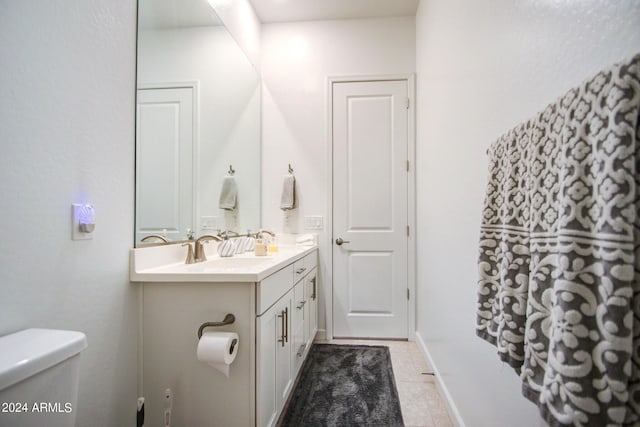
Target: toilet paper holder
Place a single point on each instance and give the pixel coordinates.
(228, 319)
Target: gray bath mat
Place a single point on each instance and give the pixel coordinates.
(345, 385)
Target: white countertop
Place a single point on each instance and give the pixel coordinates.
(165, 263)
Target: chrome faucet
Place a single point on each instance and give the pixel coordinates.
(200, 255)
(189, 259)
(155, 236)
(228, 233)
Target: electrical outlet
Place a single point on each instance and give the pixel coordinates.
(209, 222)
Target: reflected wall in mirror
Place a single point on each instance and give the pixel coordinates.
(198, 113)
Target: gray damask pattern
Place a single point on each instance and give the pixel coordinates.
(559, 265)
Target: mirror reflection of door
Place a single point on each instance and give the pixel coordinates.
(164, 162)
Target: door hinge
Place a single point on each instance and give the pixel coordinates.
(407, 230)
(408, 294)
(408, 164)
(408, 103)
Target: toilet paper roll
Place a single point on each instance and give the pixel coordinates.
(218, 349)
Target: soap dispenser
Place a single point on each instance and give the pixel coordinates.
(226, 248)
(273, 244)
(249, 242)
(260, 247)
(238, 248)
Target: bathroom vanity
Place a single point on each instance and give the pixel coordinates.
(274, 300)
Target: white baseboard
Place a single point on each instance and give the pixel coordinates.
(456, 419)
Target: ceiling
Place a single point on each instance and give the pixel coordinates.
(309, 10)
(163, 14)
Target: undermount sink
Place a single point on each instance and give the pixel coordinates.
(229, 263)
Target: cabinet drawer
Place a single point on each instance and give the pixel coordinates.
(303, 266)
(272, 288)
(299, 270)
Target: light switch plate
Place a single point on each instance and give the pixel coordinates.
(209, 222)
(76, 234)
(313, 222)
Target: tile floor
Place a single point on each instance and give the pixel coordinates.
(420, 400)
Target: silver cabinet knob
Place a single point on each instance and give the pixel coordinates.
(339, 241)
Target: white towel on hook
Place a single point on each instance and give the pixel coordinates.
(288, 199)
(228, 194)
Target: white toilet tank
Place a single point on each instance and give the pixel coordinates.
(39, 374)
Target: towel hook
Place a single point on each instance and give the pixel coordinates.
(228, 319)
(290, 168)
(231, 170)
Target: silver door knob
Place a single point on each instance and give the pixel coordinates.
(339, 241)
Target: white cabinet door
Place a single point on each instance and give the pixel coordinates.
(284, 376)
(311, 292)
(298, 325)
(274, 376)
(266, 327)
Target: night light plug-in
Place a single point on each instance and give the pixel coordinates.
(83, 221)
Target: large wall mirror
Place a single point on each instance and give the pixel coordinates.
(197, 125)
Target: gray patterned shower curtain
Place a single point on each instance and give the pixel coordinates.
(559, 264)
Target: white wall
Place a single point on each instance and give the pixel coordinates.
(67, 135)
(483, 67)
(242, 22)
(297, 59)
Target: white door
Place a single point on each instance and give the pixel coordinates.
(164, 162)
(370, 187)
